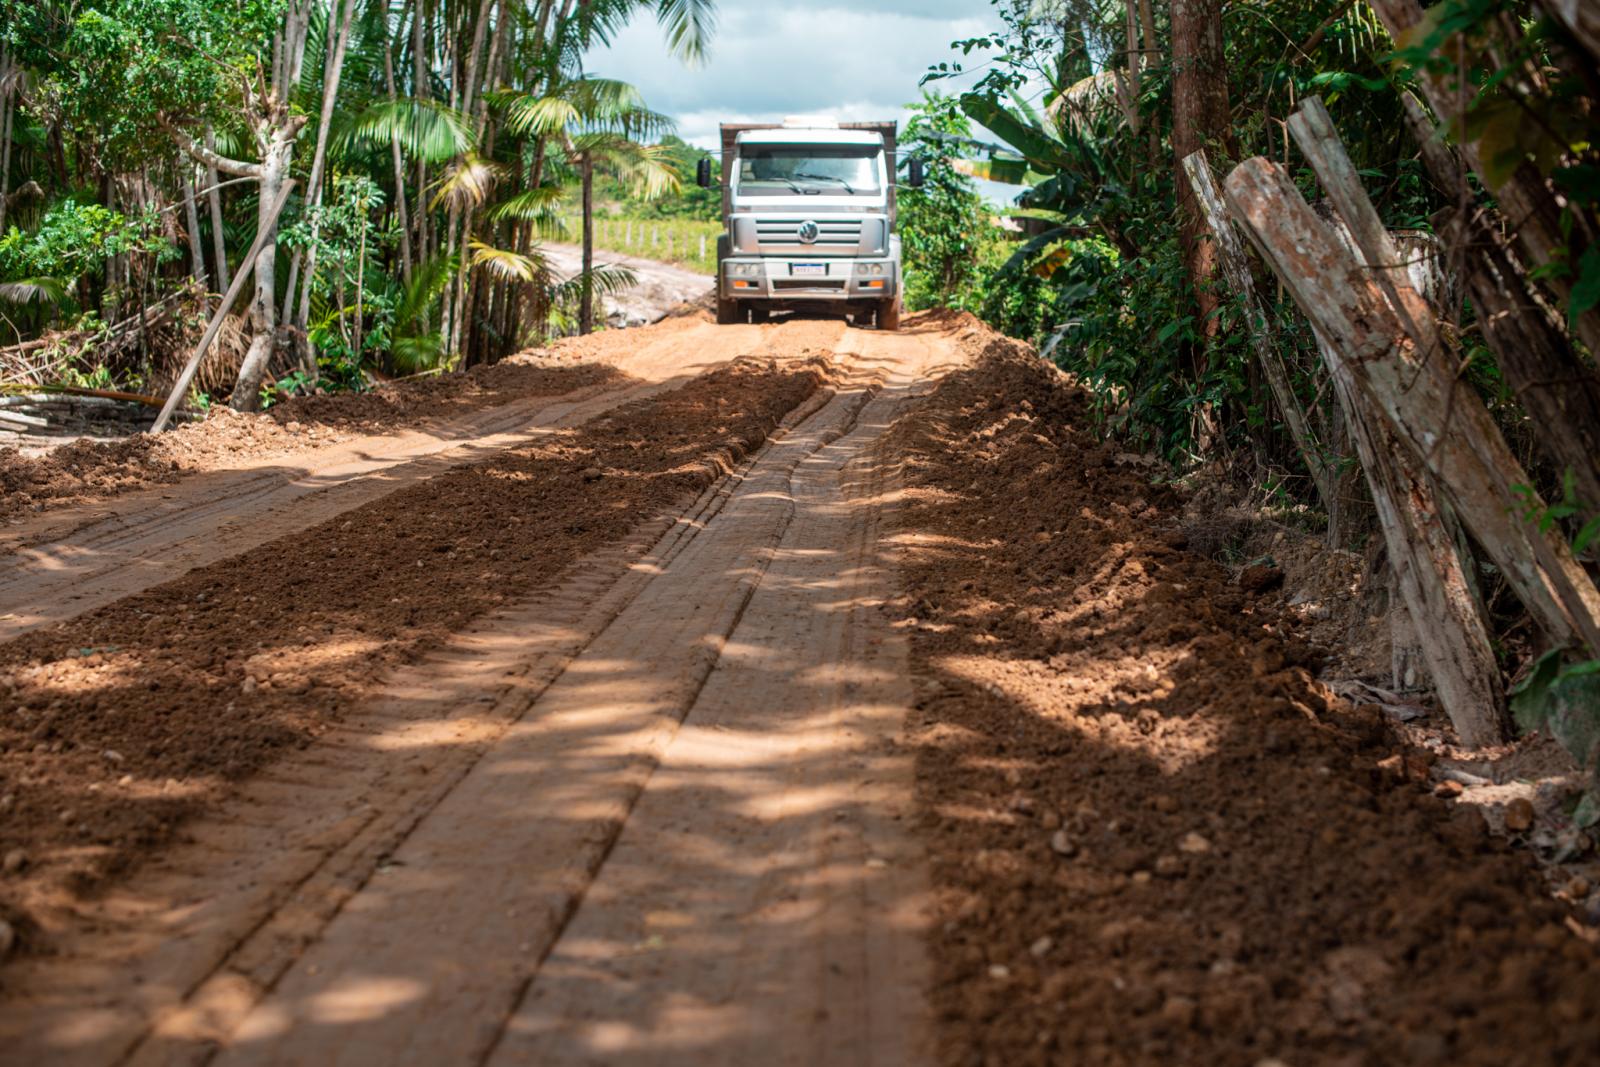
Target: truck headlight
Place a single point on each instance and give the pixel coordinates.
(744, 270)
(869, 270)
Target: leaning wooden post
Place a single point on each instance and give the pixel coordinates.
(1420, 537)
(1263, 337)
(1314, 132)
(1422, 399)
(239, 277)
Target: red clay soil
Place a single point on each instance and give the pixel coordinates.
(1154, 837)
(116, 725)
(86, 471)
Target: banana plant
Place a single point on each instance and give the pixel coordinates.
(1076, 188)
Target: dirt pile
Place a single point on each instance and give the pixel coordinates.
(85, 471)
(116, 725)
(1155, 838)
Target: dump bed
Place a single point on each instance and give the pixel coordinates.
(732, 130)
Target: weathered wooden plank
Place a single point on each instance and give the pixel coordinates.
(1422, 400)
(1235, 265)
(1419, 533)
(1313, 130)
(1319, 141)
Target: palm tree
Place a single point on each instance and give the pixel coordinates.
(596, 122)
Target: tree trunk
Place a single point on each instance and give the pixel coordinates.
(422, 91)
(186, 376)
(1558, 390)
(197, 256)
(361, 274)
(399, 170)
(7, 112)
(586, 283)
(219, 244)
(264, 307)
(1580, 18)
(1199, 115)
(337, 46)
(1526, 196)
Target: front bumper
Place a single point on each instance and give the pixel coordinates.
(778, 279)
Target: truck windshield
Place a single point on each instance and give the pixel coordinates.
(808, 170)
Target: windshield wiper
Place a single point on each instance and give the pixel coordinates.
(825, 178)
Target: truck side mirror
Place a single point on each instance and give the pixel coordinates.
(914, 179)
(702, 172)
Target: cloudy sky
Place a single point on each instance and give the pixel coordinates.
(770, 59)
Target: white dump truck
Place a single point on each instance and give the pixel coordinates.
(809, 207)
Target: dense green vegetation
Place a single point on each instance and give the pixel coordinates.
(422, 149)
(1082, 92)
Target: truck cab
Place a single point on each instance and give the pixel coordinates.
(809, 211)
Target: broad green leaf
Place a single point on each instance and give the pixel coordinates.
(1586, 290)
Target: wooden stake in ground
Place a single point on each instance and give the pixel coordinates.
(1235, 266)
(181, 386)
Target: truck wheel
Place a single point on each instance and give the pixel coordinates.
(727, 310)
(889, 314)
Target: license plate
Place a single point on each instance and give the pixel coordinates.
(808, 268)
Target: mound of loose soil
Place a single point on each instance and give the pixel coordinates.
(1155, 838)
(86, 471)
(117, 724)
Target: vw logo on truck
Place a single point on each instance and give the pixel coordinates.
(809, 207)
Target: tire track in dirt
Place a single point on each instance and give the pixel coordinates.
(764, 901)
(509, 764)
(313, 826)
(69, 563)
(127, 718)
(481, 889)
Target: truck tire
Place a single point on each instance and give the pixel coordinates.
(727, 310)
(889, 314)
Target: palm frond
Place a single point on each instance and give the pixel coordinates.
(689, 25)
(528, 115)
(648, 169)
(536, 207)
(467, 182)
(426, 129)
(428, 282)
(415, 353)
(507, 265)
(605, 279)
(41, 291)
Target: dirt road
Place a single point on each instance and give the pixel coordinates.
(661, 287)
(407, 887)
(787, 694)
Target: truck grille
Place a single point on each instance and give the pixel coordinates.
(836, 235)
(817, 285)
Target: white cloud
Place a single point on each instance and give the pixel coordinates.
(792, 59)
